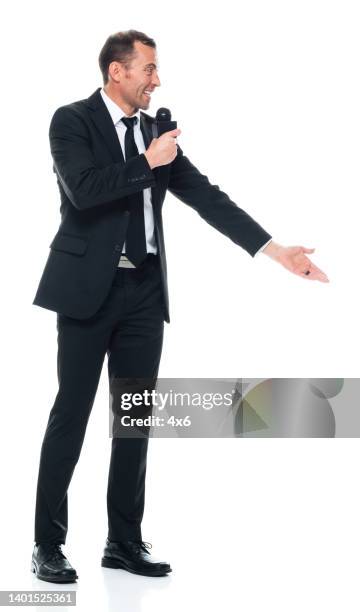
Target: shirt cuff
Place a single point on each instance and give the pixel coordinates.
(263, 247)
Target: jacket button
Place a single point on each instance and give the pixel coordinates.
(117, 248)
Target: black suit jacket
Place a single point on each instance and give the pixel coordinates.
(94, 183)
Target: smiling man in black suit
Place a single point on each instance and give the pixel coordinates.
(106, 279)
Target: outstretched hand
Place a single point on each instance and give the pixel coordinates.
(294, 259)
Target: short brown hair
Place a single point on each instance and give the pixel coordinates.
(119, 47)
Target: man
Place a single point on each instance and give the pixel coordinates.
(106, 279)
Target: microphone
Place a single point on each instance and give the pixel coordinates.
(162, 123)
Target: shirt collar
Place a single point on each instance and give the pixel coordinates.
(116, 113)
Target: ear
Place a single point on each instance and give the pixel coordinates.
(116, 71)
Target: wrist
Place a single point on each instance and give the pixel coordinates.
(273, 249)
(149, 159)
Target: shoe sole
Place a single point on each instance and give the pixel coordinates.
(57, 579)
(117, 564)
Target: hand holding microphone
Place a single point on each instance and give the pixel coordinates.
(163, 149)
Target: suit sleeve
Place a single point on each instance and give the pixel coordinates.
(85, 184)
(215, 206)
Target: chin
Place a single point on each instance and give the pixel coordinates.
(144, 105)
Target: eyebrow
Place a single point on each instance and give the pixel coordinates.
(152, 64)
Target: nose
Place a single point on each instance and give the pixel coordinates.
(155, 80)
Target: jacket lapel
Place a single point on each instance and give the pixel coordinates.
(105, 126)
(146, 128)
(103, 122)
(146, 122)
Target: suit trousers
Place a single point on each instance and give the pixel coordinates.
(129, 329)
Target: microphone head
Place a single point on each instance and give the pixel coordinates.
(163, 114)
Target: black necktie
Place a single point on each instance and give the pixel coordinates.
(135, 236)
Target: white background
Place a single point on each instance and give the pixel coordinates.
(266, 94)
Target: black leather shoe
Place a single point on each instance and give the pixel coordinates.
(49, 563)
(134, 557)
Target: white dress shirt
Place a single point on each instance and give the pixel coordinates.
(263, 247)
(116, 113)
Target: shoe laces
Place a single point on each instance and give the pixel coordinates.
(145, 546)
(56, 553)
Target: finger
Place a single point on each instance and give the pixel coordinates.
(174, 133)
(318, 276)
(306, 250)
(317, 270)
(315, 273)
(306, 265)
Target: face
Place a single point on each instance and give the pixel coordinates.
(136, 83)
